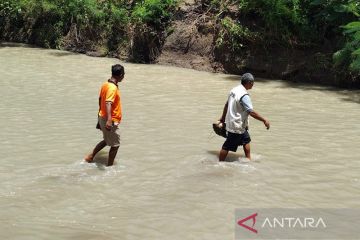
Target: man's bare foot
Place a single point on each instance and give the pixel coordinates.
(89, 158)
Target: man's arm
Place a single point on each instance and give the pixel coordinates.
(110, 97)
(260, 118)
(108, 113)
(222, 119)
(247, 104)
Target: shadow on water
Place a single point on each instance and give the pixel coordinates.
(101, 158)
(62, 54)
(236, 78)
(13, 44)
(24, 45)
(347, 95)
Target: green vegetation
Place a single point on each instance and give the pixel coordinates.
(140, 26)
(80, 23)
(349, 56)
(156, 13)
(293, 23)
(340, 20)
(278, 19)
(234, 34)
(47, 22)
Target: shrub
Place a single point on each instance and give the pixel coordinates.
(154, 13)
(327, 16)
(349, 56)
(47, 22)
(281, 19)
(233, 34)
(10, 16)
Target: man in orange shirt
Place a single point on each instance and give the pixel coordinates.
(109, 114)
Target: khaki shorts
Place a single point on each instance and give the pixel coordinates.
(112, 136)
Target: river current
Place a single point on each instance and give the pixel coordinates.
(166, 182)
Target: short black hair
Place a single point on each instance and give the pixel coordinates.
(117, 70)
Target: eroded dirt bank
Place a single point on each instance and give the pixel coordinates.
(192, 44)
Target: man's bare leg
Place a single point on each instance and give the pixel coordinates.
(223, 154)
(246, 148)
(90, 157)
(112, 155)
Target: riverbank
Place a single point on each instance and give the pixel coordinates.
(201, 35)
(194, 44)
(197, 61)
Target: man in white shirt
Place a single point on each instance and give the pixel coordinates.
(235, 115)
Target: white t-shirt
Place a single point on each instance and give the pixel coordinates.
(239, 107)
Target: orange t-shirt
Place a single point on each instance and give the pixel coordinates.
(109, 92)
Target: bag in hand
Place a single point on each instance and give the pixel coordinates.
(220, 129)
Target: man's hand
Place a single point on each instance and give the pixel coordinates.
(267, 124)
(220, 123)
(108, 125)
(260, 118)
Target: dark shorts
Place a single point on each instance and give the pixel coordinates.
(234, 140)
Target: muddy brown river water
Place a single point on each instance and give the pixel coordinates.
(167, 182)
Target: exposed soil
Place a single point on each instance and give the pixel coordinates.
(191, 44)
